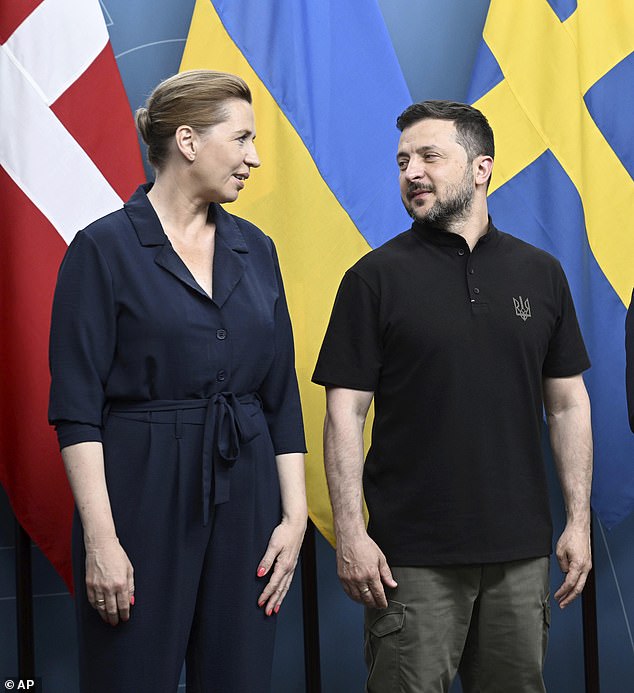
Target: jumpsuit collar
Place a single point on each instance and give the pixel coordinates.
(230, 245)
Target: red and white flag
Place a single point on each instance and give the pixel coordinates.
(68, 155)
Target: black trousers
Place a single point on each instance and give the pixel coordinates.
(196, 587)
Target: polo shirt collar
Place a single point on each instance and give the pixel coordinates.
(432, 234)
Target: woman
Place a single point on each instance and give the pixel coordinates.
(175, 402)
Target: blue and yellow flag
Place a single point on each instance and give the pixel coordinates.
(555, 78)
(327, 89)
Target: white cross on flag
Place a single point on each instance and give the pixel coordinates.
(68, 155)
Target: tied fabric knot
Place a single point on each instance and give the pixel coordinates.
(228, 422)
(227, 426)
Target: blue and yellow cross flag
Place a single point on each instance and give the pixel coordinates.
(327, 89)
(555, 78)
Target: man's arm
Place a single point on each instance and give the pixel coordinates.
(361, 565)
(568, 414)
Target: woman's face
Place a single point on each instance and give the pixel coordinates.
(226, 153)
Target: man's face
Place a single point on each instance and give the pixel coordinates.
(436, 177)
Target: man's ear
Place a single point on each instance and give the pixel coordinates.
(483, 167)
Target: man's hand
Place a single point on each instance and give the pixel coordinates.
(363, 571)
(575, 560)
(568, 412)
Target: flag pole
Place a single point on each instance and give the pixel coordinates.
(312, 665)
(24, 603)
(590, 628)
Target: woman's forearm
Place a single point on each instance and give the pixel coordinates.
(290, 470)
(85, 470)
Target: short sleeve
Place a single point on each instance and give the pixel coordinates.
(567, 353)
(351, 355)
(82, 343)
(629, 352)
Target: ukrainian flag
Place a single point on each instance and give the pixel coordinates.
(327, 89)
(555, 78)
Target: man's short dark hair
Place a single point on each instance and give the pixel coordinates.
(473, 131)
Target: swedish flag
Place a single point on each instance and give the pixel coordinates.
(327, 88)
(555, 78)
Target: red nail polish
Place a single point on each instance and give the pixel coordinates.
(269, 612)
(261, 571)
(261, 604)
(131, 600)
(277, 609)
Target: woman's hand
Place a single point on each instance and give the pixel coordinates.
(109, 580)
(109, 574)
(281, 555)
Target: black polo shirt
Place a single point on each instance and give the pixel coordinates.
(454, 345)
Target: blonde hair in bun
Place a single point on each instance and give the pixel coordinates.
(144, 123)
(195, 98)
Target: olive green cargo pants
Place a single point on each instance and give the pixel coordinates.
(487, 622)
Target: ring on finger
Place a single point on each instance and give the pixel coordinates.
(365, 590)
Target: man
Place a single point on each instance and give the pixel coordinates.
(461, 334)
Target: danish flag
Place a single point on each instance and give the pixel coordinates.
(68, 155)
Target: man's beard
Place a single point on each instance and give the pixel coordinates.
(454, 208)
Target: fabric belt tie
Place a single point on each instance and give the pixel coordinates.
(227, 425)
(232, 426)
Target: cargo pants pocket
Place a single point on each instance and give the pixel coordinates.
(383, 628)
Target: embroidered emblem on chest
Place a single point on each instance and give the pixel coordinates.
(522, 308)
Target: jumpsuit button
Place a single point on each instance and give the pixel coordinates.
(476, 290)
(461, 251)
(221, 375)
(221, 334)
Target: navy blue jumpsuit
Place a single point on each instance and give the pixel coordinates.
(192, 399)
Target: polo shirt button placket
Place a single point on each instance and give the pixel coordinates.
(470, 273)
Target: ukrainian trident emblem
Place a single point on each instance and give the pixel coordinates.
(522, 308)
